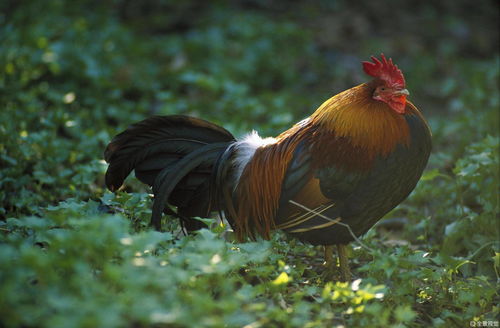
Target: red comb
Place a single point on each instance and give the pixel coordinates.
(385, 70)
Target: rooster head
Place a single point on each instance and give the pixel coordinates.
(391, 83)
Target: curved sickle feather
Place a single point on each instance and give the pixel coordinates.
(166, 182)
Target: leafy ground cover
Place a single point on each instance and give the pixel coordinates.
(74, 74)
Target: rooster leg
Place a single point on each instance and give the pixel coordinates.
(329, 256)
(345, 272)
(329, 263)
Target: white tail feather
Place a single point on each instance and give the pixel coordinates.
(245, 149)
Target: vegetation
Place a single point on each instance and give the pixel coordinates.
(73, 74)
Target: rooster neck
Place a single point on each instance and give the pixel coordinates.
(358, 127)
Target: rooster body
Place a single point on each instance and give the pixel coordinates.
(358, 156)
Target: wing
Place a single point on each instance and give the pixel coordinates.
(322, 190)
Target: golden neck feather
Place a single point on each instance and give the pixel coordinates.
(367, 123)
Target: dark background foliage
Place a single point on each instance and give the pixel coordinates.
(74, 73)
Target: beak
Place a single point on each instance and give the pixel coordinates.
(402, 92)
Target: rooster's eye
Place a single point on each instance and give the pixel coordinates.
(382, 89)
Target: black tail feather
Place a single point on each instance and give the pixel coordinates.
(219, 189)
(176, 155)
(168, 179)
(168, 136)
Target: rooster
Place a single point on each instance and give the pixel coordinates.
(325, 181)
